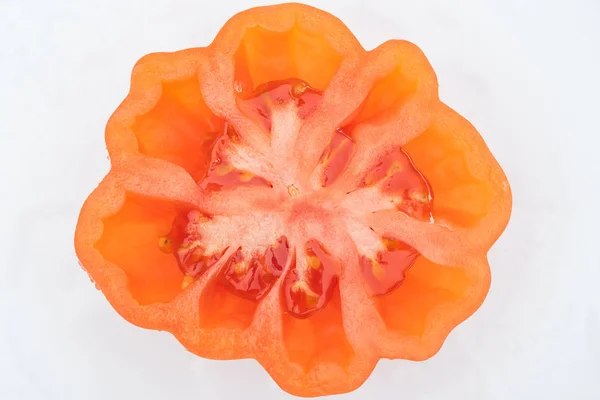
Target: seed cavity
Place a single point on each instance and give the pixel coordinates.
(252, 276)
(384, 272)
(309, 284)
(185, 243)
(404, 186)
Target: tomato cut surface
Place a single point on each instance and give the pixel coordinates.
(285, 195)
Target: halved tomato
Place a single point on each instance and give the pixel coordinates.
(284, 194)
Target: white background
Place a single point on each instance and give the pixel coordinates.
(526, 73)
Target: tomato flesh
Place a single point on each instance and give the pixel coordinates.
(260, 103)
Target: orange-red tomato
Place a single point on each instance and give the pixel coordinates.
(284, 194)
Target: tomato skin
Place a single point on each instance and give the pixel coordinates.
(446, 199)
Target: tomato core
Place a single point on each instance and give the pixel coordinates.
(288, 234)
